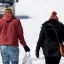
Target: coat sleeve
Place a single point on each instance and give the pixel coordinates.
(62, 33)
(40, 42)
(21, 35)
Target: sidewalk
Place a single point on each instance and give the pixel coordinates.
(38, 61)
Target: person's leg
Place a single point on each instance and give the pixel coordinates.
(47, 60)
(52, 60)
(6, 62)
(57, 59)
(14, 54)
(4, 54)
(14, 63)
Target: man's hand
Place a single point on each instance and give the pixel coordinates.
(26, 48)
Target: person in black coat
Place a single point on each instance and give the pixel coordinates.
(48, 40)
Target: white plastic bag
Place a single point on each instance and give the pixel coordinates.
(38, 61)
(27, 59)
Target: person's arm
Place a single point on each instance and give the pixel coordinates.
(21, 37)
(40, 42)
(62, 33)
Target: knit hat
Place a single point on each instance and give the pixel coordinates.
(54, 15)
(7, 10)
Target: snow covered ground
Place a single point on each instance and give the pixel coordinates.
(39, 11)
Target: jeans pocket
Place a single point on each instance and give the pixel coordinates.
(14, 53)
(14, 50)
(3, 48)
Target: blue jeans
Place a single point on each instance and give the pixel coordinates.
(9, 54)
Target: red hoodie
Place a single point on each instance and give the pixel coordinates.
(11, 31)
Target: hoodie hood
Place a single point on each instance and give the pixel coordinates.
(8, 17)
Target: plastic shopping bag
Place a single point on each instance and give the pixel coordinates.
(38, 60)
(27, 59)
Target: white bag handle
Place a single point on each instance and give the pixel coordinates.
(27, 54)
(27, 59)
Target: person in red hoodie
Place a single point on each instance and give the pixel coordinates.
(10, 32)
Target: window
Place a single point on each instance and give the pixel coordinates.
(7, 1)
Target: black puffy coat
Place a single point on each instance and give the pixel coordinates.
(48, 40)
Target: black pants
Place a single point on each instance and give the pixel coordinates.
(52, 60)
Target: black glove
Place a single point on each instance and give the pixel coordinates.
(26, 48)
(37, 54)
